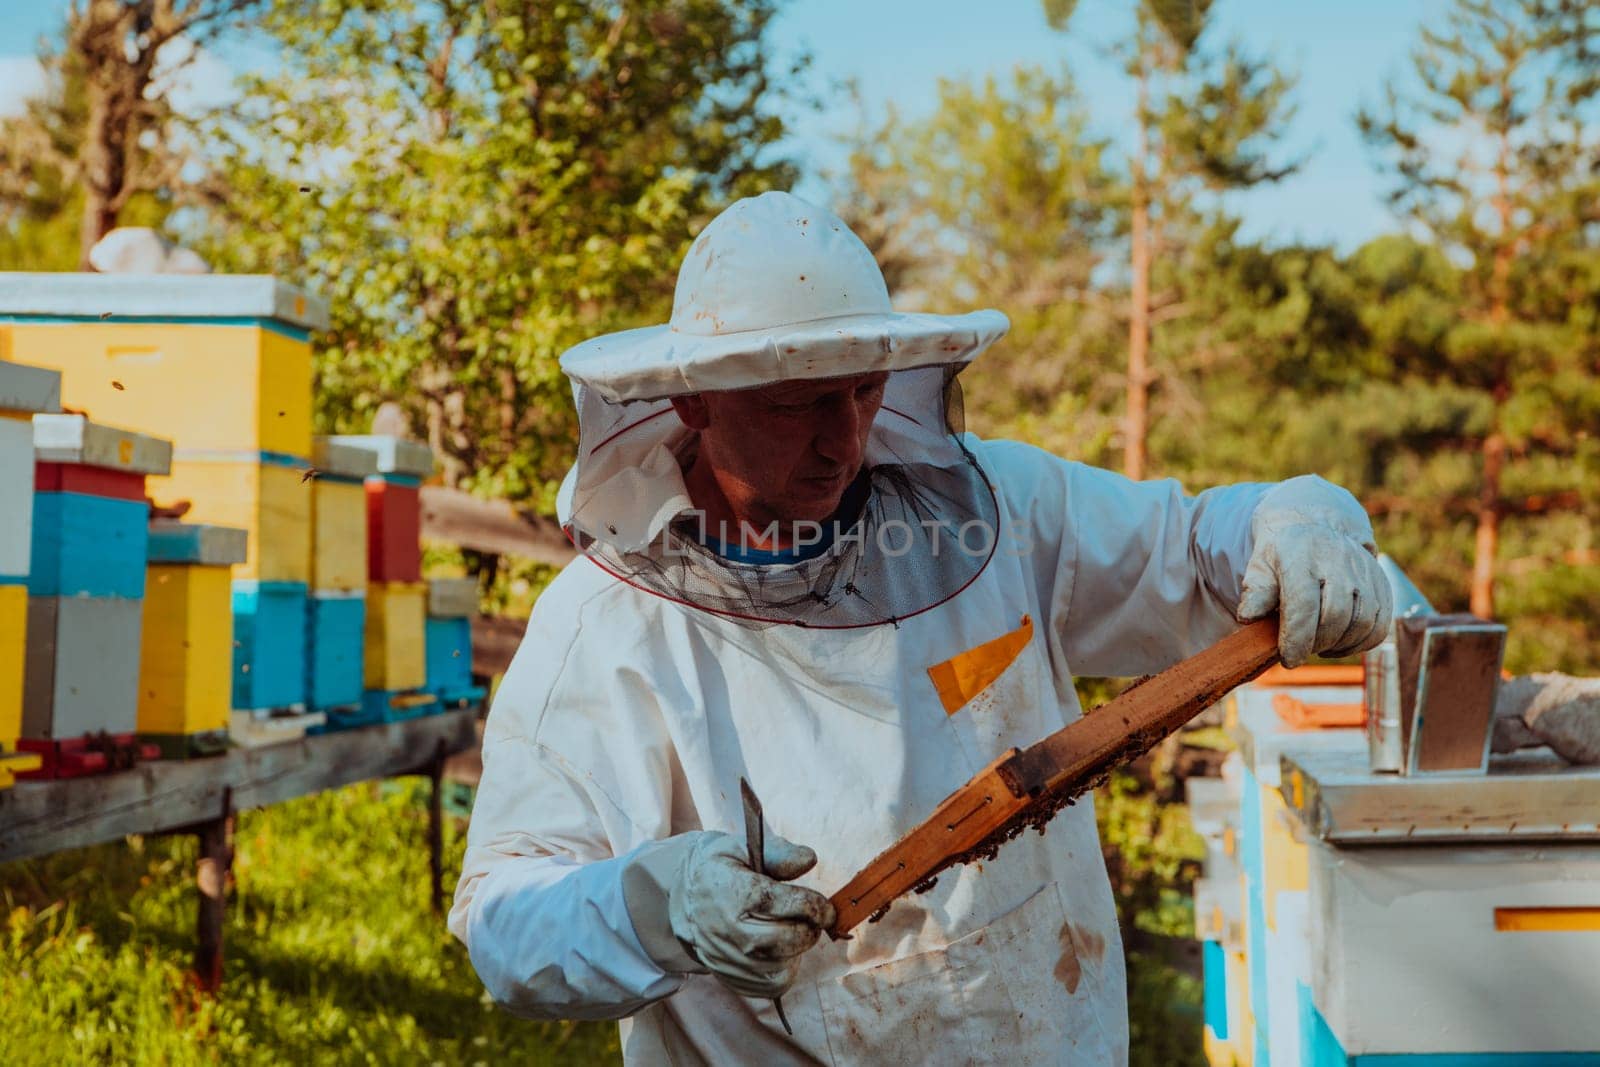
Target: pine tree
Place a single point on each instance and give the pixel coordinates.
(1002, 198)
(1492, 153)
(1205, 120)
(100, 139)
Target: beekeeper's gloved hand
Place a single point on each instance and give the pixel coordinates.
(1315, 560)
(698, 907)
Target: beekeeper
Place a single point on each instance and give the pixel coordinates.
(797, 571)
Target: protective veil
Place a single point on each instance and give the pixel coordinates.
(777, 289)
(655, 674)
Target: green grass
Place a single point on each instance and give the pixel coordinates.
(333, 955)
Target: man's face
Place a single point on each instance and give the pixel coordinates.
(788, 451)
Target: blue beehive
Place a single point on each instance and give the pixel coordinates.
(269, 645)
(334, 650)
(451, 604)
(87, 545)
(450, 660)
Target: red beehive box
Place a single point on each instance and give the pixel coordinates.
(394, 521)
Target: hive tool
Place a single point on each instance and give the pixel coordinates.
(755, 843)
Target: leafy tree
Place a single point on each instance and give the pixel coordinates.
(1265, 331)
(1492, 154)
(1002, 198)
(42, 193)
(100, 138)
(475, 186)
(41, 207)
(1206, 119)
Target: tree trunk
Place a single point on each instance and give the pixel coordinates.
(508, 410)
(1487, 542)
(1138, 418)
(103, 169)
(442, 408)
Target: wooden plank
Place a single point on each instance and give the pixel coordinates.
(1025, 789)
(1314, 674)
(166, 796)
(962, 822)
(492, 526)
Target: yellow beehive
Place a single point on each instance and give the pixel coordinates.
(13, 642)
(270, 501)
(338, 535)
(186, 662)
(186, 656)
(339, 516)
(1286, 865)
(1241, 1019)
(395, 638)
(13, 634)
(211, 387)
(225, 365)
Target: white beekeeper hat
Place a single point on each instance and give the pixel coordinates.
(774, 289)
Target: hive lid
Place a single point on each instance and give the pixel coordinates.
(332, 455)
(74, 439)
(172, 541)
(396, 455)
(28, 388)
(1531, 795)
(452, 598)
(159, 296)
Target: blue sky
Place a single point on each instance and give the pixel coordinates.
(1343, 50)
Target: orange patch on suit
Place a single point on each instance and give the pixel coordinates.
(963, 676)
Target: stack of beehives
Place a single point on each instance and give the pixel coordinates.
(329, 611)
(336, 633)
(1426, 902)
(395, 633)
(86, 588)
(223, 366)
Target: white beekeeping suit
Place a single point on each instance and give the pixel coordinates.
(656, 673)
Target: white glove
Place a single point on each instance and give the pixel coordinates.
(698, 907)
(1315, 561)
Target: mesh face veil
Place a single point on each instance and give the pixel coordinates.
(927, 524)
(779, 290)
